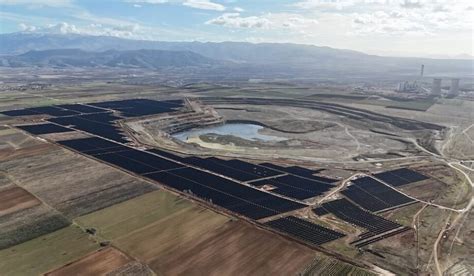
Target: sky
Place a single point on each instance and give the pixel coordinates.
(428, 28)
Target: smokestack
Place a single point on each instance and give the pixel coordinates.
(422, 71)
(454, 89)
(436, 88)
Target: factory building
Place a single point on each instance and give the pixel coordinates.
(436, 88)
(454, 89)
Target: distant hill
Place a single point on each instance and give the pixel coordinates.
(18, 43)
(261, 59)
(151, 59)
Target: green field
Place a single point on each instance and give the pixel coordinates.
(153, 224)
(118, 221)
(326, 266)
(44, 253)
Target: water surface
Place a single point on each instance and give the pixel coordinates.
(241, 130)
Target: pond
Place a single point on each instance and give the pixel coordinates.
(242, 130)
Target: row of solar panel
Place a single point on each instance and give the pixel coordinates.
(288, 185)
(55, 111)
(375, 196)
(220, 191)
(235, 169)
(101, 124)
(300, 171)
(40, 129)
(304, 230)
(293, 186)
(400, 177)
(381, 237)
(128, 108)
(141, 107)
(346, 211)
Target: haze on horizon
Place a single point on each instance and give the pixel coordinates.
(425, 28)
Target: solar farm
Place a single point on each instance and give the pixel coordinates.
(309, 208)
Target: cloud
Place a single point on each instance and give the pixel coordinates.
(61, 28)
(26, 28)
(411, 4)
(236, 21)
(392, 23)
(147, 1)
(204, 5)
(39, 3)
(325, 4)
(137, 5)
(238, 9)
(267, 21)
(64, 28)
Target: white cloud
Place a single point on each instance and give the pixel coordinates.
(238, 9)
(38, 3)
(411, 4)
(26, 28)
(204, 5)
(325, 4)
(267, 21)
(137, 5)
(125, 31)
(147, 1)
(236, 21)
(61, 28)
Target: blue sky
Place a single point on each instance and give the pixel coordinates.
(386, 27)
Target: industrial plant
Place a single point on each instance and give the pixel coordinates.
(416, 86)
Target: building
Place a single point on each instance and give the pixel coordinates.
(436, 88)
(454, 89)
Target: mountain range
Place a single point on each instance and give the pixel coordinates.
(149, 59)
(72, 50)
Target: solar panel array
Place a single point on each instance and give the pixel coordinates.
(101, 124)
(375, 196)
(39, 129)
(368, 241)
(236, 169)
(43, 110)
(304, 230)
(226, 193)
(222, 192)
(140, 107)
(320, 211)
(133, 160)
(85, 109)
(346, 211)
(303, 172)
(400, 177)
(202, 177)
(295, 187)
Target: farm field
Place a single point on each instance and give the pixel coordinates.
(72, 184)
(16, 199)
(108, 261)
(176, 237)
(47, 252)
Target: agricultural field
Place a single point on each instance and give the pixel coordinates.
(160, 229)
(47, 252)
(16, 199)
(45, 170)
(107, 261)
